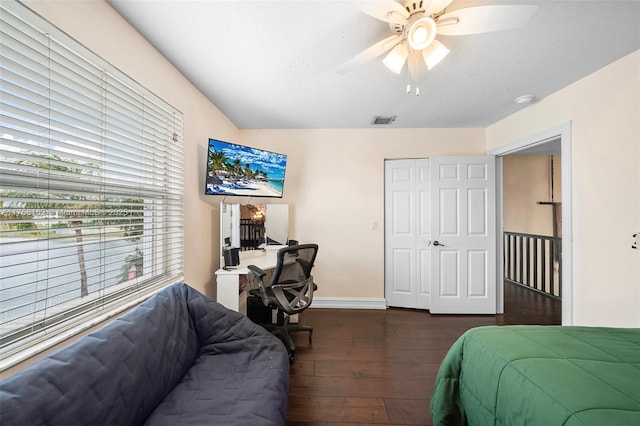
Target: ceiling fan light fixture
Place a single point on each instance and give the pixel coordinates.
(434, 53)
(421, 32)
(396, 58)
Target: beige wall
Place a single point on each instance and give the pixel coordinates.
(527, 180)
(604, 111)
(335, 186)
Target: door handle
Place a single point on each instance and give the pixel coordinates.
(437, 243)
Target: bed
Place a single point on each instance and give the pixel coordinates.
(540, 375)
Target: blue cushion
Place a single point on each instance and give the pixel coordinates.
(121, 373)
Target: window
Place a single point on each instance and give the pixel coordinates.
(91, 181)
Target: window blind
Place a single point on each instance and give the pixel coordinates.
(91, 182)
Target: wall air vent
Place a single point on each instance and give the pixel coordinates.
(383, 120)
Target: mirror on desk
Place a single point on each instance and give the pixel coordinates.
(277, 224)
(250, 226)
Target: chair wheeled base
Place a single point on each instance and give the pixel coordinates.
(290, 290)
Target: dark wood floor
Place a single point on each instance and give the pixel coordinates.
(378, 366)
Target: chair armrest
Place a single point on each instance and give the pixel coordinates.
(256, 271)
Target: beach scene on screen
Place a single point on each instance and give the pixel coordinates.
(241, 170)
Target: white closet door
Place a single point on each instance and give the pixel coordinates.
(407, 233)
(463, 235)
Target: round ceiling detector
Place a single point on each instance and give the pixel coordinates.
(524, 99)
(421, 33)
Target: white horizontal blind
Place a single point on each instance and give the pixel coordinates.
(91, 181)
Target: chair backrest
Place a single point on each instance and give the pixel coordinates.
(291, 281)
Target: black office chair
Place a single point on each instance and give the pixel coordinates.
(290, 290)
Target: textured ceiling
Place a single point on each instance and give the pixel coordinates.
(272, 64)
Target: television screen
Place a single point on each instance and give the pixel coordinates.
(241, 170)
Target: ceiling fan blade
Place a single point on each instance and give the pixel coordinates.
(385, 10)
(483, 19)
(435, 6)
(370, 53)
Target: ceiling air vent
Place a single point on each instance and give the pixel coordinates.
(383, 120)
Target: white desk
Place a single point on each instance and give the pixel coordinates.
(228, 281)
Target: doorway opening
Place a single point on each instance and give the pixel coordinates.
(555, 144)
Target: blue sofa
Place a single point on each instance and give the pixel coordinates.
(179, 358)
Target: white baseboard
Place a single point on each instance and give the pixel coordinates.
(349, 303)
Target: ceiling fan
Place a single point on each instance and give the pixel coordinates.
(416, 23)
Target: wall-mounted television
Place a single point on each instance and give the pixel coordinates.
(244, 171)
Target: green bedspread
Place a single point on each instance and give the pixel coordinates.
(540, 375)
